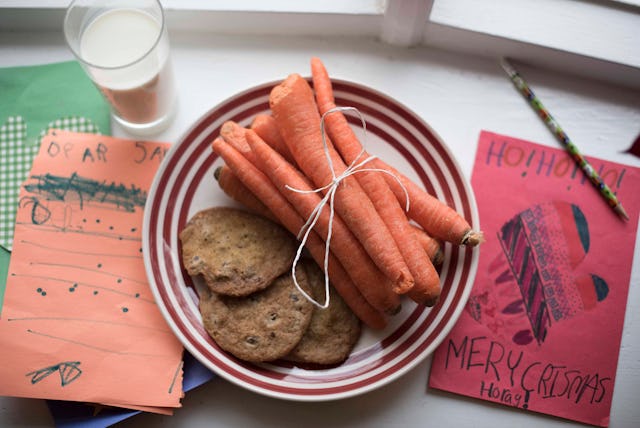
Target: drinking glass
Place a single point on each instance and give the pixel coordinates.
(123, 45)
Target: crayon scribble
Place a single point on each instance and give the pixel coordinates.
(93, 321)
(95, 287)
(82, 252)
(536, 278)
(87, 269)
(69, 371)
(95, 348)
(175, 376)
(85, 190)
(39, 213)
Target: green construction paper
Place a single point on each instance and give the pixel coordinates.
(42, 94)
(32, 100)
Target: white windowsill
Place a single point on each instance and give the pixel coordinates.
(595, 29)
(591, 38)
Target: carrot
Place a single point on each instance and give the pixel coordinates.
(233, 134)
(427, 282)
(344, 245)
(294, 108)
(382, 299)
(437, 218)
(260, 185)
(432, 246)
(236, 190)
(266, 127)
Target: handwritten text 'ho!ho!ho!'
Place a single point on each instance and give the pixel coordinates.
(548, 163)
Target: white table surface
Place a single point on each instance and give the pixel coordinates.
(458, 95)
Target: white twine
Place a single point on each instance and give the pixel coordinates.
(353, 168)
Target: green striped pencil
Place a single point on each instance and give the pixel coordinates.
(554, 126)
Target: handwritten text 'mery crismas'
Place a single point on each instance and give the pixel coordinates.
(508, 378)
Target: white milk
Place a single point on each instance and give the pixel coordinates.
(129, 62)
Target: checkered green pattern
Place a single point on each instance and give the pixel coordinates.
(15, 159)
(72, 123)
(16, 156)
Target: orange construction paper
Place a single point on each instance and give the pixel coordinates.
(79, 321)
(167, 411)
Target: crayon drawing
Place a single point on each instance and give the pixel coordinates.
(68, 370)
(77, 301)
(16, 155)
(535, 285)
(541, 330)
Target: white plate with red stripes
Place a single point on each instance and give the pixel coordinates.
(185, 184)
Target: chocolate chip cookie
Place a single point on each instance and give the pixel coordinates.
(263, 326)
(237, 253)
(332, 332)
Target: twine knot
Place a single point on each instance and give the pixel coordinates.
(329, 196)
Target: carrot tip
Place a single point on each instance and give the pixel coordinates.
(438, 257)
(472, 238)
(428, 300)
(216, 173)
(394, 311)
(433, 301)
(403, 285)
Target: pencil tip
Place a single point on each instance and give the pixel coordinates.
(621, 212)
(507, 67)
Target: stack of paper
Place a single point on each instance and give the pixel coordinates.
(78, 324)
(79, 321)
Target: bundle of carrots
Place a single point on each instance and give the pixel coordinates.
(376, 254)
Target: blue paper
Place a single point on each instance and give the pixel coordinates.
(70, 414)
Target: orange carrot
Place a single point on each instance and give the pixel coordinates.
(266, 127)
(437, 218)
(344, 245)
(427, 283)
(362, 271)
(432, 246)
(237, 191)
(231, 184)
(260, 185)
(294, 108)
(233, 134)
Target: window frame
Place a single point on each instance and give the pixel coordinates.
(452, 25)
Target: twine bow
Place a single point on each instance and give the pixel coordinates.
(329, 196)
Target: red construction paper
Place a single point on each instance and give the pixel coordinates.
(543, 324)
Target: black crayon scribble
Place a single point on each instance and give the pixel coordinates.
(84, 253)
(95, 348)
(53, 228)
(71, 266)
(69, 371)
(39, 213)
(91, 321)
(175, 376)
(84, 190)
(88, 285)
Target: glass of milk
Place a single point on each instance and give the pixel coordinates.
(123, 46)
